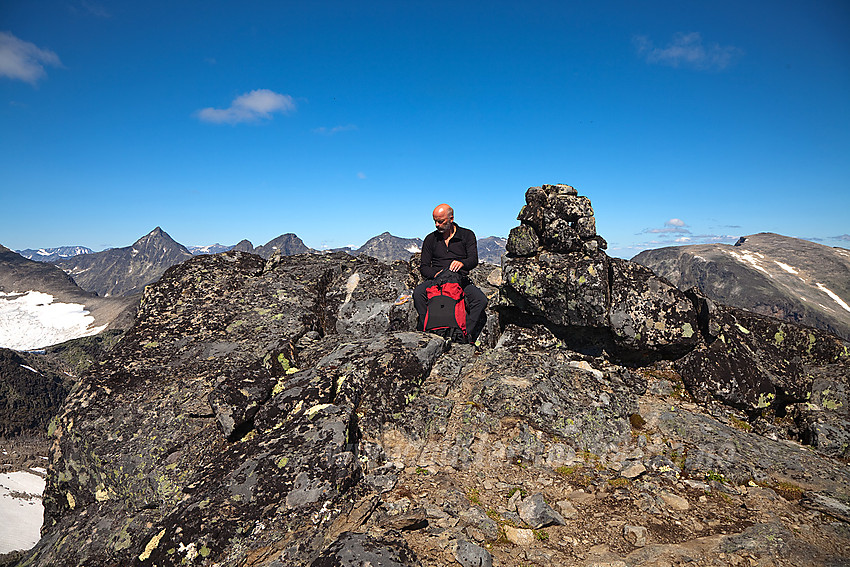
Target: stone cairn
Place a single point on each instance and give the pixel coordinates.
(556, 268)
(555, 218)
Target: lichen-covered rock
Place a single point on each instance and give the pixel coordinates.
(566, 289)
(587, 408)
(756, 362)
(352, 549)
(522, 241)
(555, 212)
(200, 439)
(31, 393)
(824, 418)
(648, 315)
(363, 298)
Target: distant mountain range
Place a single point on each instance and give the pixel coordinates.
(126, 271)
(209, 249)
(490, 249)
(787, 278)
(53, 254)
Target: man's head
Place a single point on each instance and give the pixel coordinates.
(443, 218)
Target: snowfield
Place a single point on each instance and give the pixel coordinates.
(31, 320)
(21, 510)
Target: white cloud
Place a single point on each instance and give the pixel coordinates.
(23, 60)
(667, 230)
(249, 107)
(96, 9)
(672, 226)
(335, 129)
(688, 50)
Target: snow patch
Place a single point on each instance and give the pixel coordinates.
(413, 249)
(21, 510)
(31, 321)
(786, 267)
(30, 368)
(751, 258)
(834, 297)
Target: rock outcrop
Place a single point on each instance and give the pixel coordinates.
(556, 269)
(284, 412)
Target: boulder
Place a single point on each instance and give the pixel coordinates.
(754, 362)
(648, 315)
(200, 435)
(535, 512)
(522, 241)
(565, 289)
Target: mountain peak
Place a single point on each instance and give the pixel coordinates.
(158, 236)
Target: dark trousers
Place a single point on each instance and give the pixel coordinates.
(475, 301)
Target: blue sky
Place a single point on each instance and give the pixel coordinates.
(683, 122)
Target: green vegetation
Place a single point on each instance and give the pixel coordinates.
(523, 492)
(713, 475)
(619, 482)
(577, 475)
(740, 424)
(787, 490)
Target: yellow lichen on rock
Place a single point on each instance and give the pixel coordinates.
(151, 546)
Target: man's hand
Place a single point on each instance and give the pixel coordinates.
(455, 265)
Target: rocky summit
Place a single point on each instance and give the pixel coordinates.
(285, 412)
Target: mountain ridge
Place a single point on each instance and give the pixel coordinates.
(788, 278)
(125, 271)
(53, 254)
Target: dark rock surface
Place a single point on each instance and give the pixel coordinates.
(31, 391)
(767, 273)
(284, 412)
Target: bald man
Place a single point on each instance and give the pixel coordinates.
(451, 247)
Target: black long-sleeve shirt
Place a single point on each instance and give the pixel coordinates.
(436, 256)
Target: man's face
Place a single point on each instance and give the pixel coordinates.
(443, 222)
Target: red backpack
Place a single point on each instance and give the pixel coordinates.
(446, 314)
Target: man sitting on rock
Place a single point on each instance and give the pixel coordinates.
(454, 248)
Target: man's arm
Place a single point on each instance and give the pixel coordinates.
(428, 272)
(471, 250)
